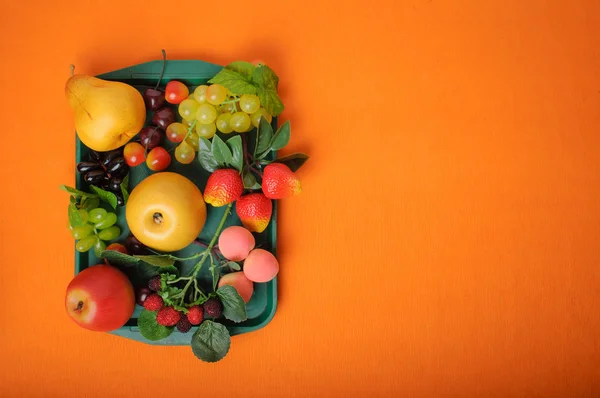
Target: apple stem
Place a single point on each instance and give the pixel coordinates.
(162, 72)
(79, 306)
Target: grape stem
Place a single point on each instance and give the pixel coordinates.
(162, 72)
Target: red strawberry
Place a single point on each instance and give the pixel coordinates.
(255, 211)
(168, 316)
(223, 187)
(195, 315)
(280, 182)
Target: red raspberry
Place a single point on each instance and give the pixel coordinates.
(168, 316)
(195, 315)
(153, 302)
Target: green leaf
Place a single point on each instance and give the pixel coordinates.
(246, 69)
(150, 329)
(250, 180)
(117, 258)
(281, 137)
(236, 83)
(233, 265)
(125, 188)
(77, 192)
(234, 307)
(75, 218)
(293, 161)
(88, 203)
(267, 82)
(158, 260)
(105, 196)
(211, 341)
(237, 159)
(220, 151)
(147, 271)
(264, 135)
(205, 156)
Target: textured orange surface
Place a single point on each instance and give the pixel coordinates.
(446, 240)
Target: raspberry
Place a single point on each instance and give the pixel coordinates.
(168, 316)
(153, 302)
(213, 307)
(184, 325)
(195, 315)
(154, 283)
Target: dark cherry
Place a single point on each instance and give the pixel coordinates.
(151, 137)
(154, 99)
(163, 117)
(142, 294)
(134, 246)
(95, 155)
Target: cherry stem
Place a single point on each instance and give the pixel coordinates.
(162, 72)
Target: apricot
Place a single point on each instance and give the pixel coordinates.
(238, 280)
(260, 266)
(235, 243)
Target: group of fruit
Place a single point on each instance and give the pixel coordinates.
(106, 170)
(95, 227)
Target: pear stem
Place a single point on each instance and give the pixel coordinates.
(162, 72)
(72, 69)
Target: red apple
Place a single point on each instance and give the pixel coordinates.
(100, 298)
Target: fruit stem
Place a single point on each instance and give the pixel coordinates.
(190, 129)
(79, 306)
(162, 72)
(72, 69)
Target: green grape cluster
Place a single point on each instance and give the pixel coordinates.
(95, 226)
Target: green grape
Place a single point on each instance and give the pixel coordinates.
(249, 103)
(85, 244)
(206, 130)
(206, 113)
(222, 123)
(255, 117)
(188, 123)
(240, 122)
(99, 247)
(110, 233)
(194, 141)
(215, 94)
(84, 215)
(89, 204)
(82, 232)
(109, 221)
(97, 215)
(200, 94)
(187, 109)
(184, 153)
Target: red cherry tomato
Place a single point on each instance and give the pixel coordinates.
(134, 154)
(176, 92)
(158, 159)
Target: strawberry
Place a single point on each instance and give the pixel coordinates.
(168, 316)
(223, 187)
(255, 211)
(195, 315)
(280, 182)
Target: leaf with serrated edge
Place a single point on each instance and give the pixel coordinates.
(211, 341)
(150, 329)
(235, 82)
(246, 69)
(234, 307)
(270, 100)
(106, 196)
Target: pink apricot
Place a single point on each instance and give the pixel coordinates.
(238, 280)
(235, 243)
(261, 266)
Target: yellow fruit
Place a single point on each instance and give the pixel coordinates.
(107, 114)
(166, 211)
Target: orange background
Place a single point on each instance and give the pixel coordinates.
(445, 244)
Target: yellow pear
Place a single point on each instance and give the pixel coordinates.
(107, 114)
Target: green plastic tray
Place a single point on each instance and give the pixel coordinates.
(263, 304)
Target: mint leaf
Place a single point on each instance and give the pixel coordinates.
(150, 329)
(264, 135)
(267, 82)
(220, 151)
(158, 260)
(211, 341)
(281, 137)
(293, 161)
(246, 69)
(124, 188)
(234, 81)
(77, 192)
(105, 196)
(237, 159)
(75, 219)
(205, 156)
(234, 307)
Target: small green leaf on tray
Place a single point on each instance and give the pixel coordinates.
(246, 69)
(234, 307)
(77, 192)
(263, 137)
(220, 151)
(237, 159)
(233, 265)
(281, 137)
(236, 83)
(211, 341)
(205, 156)
(105, 196)
(147, 266)
(158, 260)
(250, 180)
(150, 329)
(75, 218)
(293, 161)
(125, 188)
